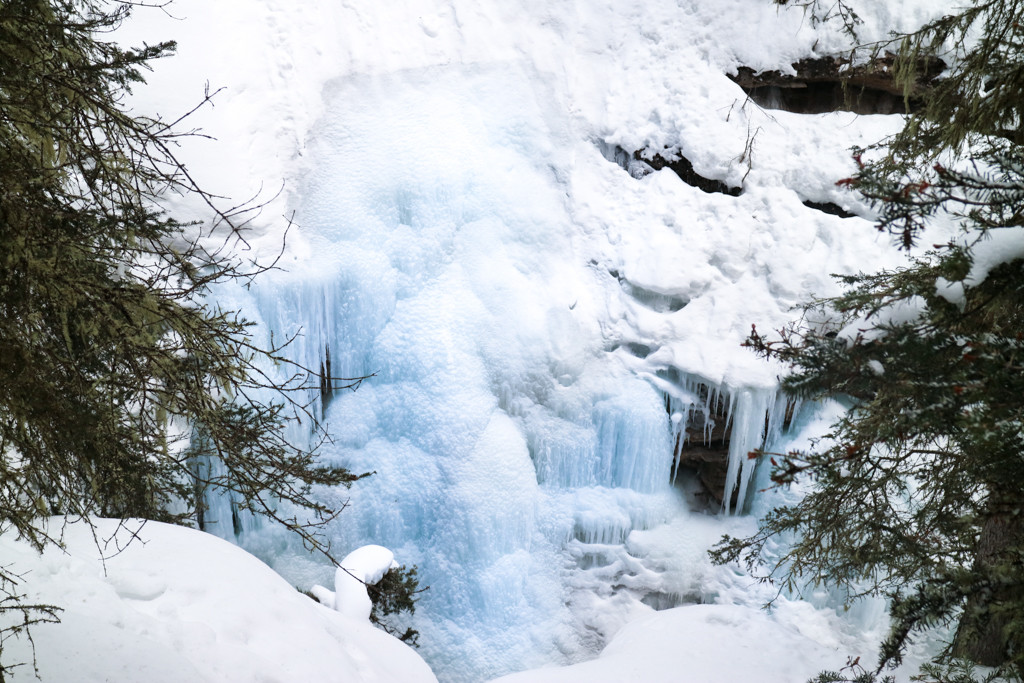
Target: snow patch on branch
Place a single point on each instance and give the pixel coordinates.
(362, 567)
(875, 325)
(999, 247)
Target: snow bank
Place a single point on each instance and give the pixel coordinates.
(181, 605)
(707, 644)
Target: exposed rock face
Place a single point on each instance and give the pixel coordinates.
(683, 168)
(705, 448)
(711, 463)
(824, 84)
(643, 161)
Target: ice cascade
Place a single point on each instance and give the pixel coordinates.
(514, 455)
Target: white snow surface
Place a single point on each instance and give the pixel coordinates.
(361, 567)
(699, 644)
(465, 230)
(996, 248)
(163, 604)
(364, 566)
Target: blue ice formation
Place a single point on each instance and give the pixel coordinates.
(513, 455)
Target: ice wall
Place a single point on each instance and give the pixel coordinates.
(514, 455)
(443, 262)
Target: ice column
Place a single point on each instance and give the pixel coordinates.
(748, 417)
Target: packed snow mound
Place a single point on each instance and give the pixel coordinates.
(701, 644)
(181, 605)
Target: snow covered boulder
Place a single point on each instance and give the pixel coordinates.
(362, 567)
(182, 605)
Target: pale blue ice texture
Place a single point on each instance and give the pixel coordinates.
(509, 448)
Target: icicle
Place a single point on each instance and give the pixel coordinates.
(752, 408)
(777, 418)
(634, 448)
(678, 422)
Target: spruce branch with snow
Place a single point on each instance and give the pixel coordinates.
(821, 11)
(395, 594)
(918, 495)
(111, 357)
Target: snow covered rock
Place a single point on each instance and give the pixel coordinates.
(181, 605)
(362, 567)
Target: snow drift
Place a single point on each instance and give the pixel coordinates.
(159, 603)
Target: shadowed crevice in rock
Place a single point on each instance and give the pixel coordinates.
(683, 168)
(826, 84)
(703, 433)
(656, 301)
(830, 208)
(703, 447)
(642, 162)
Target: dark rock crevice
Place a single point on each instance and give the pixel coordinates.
(826, 84)
(683, 168)
(703, 435)
(641, 162)
(830, 208)
(702, 447)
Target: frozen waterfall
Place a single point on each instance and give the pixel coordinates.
(514, 450)
(551, 326)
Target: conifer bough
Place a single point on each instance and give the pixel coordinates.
(111, 358)
(919, 496)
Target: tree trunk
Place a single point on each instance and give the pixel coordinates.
(981, 636)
